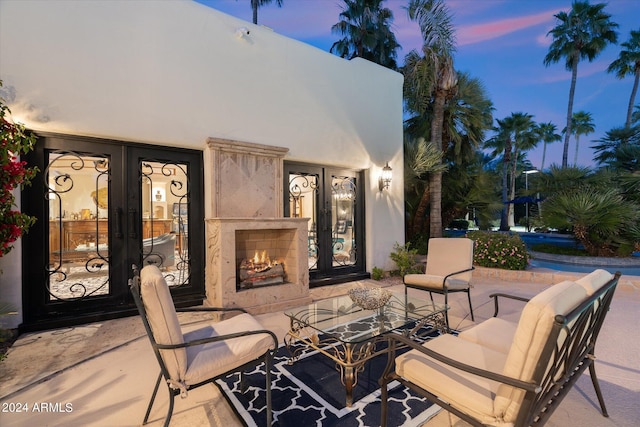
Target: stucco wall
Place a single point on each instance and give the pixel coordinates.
(175, 73)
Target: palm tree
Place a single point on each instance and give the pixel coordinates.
(581, 124)
(468, 114)
(432, 79)
(514, 134)
(366, 29)
(255, 4)
(502, 143)
(548, 135)
(583, 33)
(628, 64)
(619, 149)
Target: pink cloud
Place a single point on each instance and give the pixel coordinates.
(491, 30)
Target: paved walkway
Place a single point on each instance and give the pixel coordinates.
(102, 374)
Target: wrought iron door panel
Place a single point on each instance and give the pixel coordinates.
(103, 206)
(331, 200)
(77, 188)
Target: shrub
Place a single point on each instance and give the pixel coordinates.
(499, 250)
(405, 259)
(377, 273)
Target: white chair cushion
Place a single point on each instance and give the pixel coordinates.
(531, 335)
(471, 394)
(447, 255)
(594, 280)
(163, 319)
(429, 281)
(210, 360)
(495, 333)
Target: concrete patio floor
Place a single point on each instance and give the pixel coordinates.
(102, 374)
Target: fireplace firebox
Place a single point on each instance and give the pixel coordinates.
(264, 257)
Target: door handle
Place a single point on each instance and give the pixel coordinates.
(132, 224)
(119, 223)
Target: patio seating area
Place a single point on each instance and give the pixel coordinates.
(101, 374)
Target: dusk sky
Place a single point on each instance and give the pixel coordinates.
(501, 42)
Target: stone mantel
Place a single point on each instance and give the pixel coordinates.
(246, 179)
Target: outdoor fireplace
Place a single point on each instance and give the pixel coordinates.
(244, 221)
(261, 256)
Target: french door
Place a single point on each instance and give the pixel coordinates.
(333, 201)
(102, 207)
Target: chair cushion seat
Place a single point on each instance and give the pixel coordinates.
(430, 281)
(213, 359)
(470, 393)
(495, 333)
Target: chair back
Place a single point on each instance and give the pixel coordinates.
(158, 313)
(448, 255)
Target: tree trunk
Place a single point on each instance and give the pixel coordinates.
(435, 214)
(435, 183)
(254, 8)
(632, 99)
(512, 196)
(421, 211)
(504, 217)
(575, 157)
(572, 91)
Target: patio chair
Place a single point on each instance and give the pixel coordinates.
(498, 375)
(449, 267)
(192, 359)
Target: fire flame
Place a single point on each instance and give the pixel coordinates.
(262, 259)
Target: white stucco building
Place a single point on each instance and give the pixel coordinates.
(176, 74)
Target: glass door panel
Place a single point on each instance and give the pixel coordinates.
(303, 202)
(78, 258)
(343, 243)
(165, 236)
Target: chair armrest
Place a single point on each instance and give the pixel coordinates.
(194, 309)
(528, 386)
(203, 341)
(497, 295)
(444, 281)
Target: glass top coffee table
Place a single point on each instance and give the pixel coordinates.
(350, 335)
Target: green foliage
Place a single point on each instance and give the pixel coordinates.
(420, 243)
(14, 141)
(499, 250)
(405, 259)
(377, 273)
(600, 218)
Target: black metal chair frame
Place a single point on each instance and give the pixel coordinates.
(445, 291)
(545, 392)
(266, 358)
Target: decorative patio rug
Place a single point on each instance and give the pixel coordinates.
(309, 393)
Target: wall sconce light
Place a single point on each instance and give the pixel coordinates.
(384, 181)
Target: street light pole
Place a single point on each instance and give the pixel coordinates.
(526, 189)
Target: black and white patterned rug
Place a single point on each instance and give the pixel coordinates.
(309, 393)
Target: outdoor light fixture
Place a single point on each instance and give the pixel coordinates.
(384, 181)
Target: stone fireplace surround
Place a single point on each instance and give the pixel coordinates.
(246, 184)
